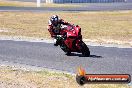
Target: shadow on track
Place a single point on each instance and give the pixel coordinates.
(80, 55)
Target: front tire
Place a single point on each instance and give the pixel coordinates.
(65, 49)
(68, 53)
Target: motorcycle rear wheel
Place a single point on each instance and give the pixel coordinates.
(85, 50)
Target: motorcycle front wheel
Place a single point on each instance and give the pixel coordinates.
(65, 49)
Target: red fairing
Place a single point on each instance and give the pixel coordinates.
(73, 35)
(71, 40)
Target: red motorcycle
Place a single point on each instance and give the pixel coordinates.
(70, 40)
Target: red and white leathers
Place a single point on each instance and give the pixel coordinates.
(55, 29)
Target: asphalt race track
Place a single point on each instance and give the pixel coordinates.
(84, 7)
(102, 60)
(40, 54)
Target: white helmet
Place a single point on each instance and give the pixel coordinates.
(54, 19)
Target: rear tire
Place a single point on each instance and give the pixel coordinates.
(85, 50)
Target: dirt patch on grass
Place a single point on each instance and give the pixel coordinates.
(102, 27)
(11, 77)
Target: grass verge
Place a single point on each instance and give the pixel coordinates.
(17, 78)
(102, 27)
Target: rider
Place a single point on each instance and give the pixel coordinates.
(54, 26)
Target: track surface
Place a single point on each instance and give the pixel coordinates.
(102, 59)
(84, 7)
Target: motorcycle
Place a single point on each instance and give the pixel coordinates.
(70, 40)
